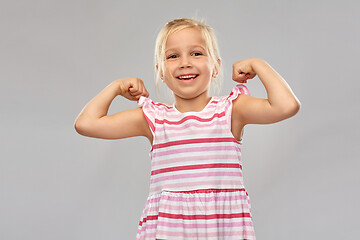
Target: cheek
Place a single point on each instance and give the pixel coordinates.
(209, 68)
(168, 73)
(169, 67)
(168, 77)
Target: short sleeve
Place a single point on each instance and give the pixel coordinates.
(148, 108)
(238, 89)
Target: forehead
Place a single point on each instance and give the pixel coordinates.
(185, 38)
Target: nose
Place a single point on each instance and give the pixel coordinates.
(185, 62)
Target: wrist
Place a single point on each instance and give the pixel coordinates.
(257, 63)
(119, 87)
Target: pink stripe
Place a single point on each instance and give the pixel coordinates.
(155, 198)
(193, 141)
(143, 222)
(249, 235)
(191, 124)
(225, 208)
(170, 107)
(144, 235)
(238, 207)
(237, 223)
(209, 190)
(226, 157)
(148, 235)
(221, 184)
(162, 104)
(215, 225)
(241, 235)
(243, 224)
(190, 133)
(193, 217)
(172, 113)
(195, 175)
(232, 93)
(196, 207)
(216, 115)
(193, 204)
(195, 198)
(196, 166)
(204, 216)
(195, 149)
(243, 89)
(150, 123)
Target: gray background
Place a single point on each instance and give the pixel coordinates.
(301, 173)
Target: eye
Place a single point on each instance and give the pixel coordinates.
(171, 56)
(197, 54)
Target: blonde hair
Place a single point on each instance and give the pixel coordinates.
(209, 38)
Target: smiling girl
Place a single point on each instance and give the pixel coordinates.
(196, 186)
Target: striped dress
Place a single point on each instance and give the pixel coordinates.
(196, 184)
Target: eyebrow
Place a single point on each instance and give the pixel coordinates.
(192, 46)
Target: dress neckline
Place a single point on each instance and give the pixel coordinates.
(173, 105)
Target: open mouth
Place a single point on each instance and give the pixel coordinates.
(188, 77)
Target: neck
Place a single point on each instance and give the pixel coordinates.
(196, 104)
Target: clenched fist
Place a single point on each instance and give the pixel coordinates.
(242, 71)
(132, 88)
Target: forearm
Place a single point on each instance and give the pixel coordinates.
(99, 105)
(279, 92)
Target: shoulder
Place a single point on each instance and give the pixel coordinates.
(150, 104)
(233, 96)
(238, 97)
(153, 110)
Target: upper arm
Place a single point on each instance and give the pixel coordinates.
(252, 110)
(128, 123)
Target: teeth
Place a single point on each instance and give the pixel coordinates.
(187, 76)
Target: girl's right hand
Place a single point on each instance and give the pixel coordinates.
(132, 88)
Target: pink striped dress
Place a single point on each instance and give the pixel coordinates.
(196, 184)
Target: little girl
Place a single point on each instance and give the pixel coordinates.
(196, 185)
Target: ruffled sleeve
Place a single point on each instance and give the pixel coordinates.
(238, 89)
(148, 108)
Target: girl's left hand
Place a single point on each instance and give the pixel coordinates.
(242, 71)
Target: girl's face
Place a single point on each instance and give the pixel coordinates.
(188, 67)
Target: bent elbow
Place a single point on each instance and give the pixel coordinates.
(292, 109)
(77, 127)
(296, 107)
(80, 128)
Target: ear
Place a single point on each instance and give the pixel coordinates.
(216, 68)
(161, 74)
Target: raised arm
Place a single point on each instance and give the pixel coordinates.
(281, 103)
(93, 120)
